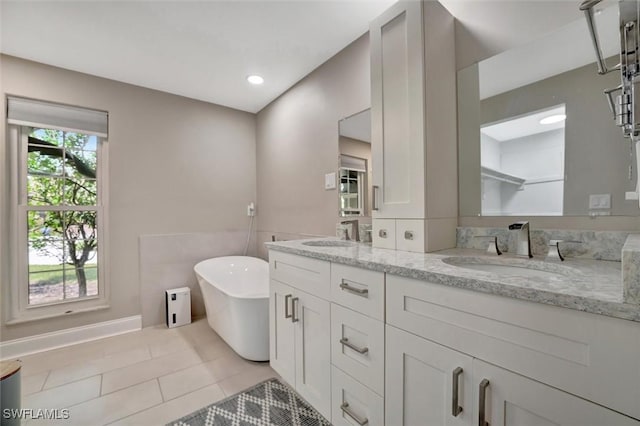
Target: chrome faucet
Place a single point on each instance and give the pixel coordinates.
(523, 245)
(554, 250)
(493, 247)
(354, 229)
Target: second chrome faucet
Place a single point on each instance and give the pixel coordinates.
(523, 243)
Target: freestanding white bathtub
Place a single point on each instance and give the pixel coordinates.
(235, 290)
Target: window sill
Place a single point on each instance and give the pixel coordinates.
(25, 319)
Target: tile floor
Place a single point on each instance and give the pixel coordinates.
(148, 377)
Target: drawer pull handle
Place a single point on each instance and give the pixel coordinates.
(294, 305)
(350, 345)
(408, 235)
(360, 292)
(382, 233)
(345, 408)
(484, 384)
(456, 409)
(287, 314)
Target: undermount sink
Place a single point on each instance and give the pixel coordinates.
(511, 267)
(328, 243)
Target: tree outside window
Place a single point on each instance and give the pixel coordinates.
(62, 215)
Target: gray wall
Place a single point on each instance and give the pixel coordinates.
(297, 143)
(176, 165)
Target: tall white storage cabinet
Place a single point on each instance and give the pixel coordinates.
(413, 114)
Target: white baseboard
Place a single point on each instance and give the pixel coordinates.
(70, 336)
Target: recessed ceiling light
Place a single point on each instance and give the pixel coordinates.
(255, 79)
(556, 118)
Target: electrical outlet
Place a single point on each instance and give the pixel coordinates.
(600, 201)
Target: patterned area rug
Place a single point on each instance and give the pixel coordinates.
(269, 403)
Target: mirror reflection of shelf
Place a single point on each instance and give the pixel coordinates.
(490, 173)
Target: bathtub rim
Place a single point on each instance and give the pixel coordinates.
(260, 261)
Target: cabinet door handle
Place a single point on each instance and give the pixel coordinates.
(374, 196)
(360, 292)
(484, 384)
(345, 408)
(294, 309)
(287, 314)
(456, 409)
(347, 343)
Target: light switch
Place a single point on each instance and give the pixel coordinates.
(330, 181)
(600, 201)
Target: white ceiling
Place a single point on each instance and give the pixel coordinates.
(199, 49)
(205, 49)
(526, 125)
(489, 27)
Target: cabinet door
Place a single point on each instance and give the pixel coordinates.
(420, 379)
(397, 111)
(281, 331)
(514, 400)
(313, 350)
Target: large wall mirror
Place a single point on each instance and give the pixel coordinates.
(354, 172)
(535, 133)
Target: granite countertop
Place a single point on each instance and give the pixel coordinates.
(586, 285)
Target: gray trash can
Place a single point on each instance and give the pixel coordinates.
(10, 393)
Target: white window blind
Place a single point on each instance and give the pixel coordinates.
(353, 163)
(29, 112)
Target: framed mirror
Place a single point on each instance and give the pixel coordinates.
(522, 164)
(511, 162)
(354, 172)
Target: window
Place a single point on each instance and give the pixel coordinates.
(59, 198)
(352, 175)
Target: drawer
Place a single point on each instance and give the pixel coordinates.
(410, 235)
(383, 233)
(591, 356)
(303, 273)
(358, 289)
(352, 404)
(357, 346)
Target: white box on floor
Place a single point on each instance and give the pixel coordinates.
(178, 304)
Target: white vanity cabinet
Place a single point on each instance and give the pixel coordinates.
(431, 384)
(514, 400)
(357, 345)
(365, 347)
(588, 357)
(299, 326)
(413, 115)
(326, 335)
